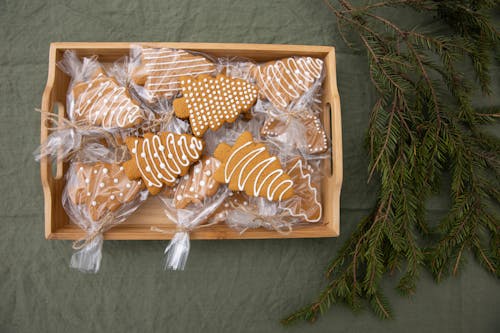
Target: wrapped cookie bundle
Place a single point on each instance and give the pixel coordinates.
(216, 140)
(97, 196)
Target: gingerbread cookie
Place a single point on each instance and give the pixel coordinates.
(314, 135)
(161, 69)
(198, 184)
(285, 81)
(209, 101)
(160, 158)
(306, 200)
(103, 102)
(234, 200)
(102, 188)
(250, 167)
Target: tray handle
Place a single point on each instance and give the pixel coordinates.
(332, 120)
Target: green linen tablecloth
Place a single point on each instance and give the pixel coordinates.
(228, 286)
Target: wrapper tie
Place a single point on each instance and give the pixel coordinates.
(107, 221)
(156, 123)
(54, 123)
(276, 222)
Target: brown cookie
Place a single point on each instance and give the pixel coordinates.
(316, 141)
(249, 166)
(101, 101)
(161, 69)
(235, 199)
(284, 81)
(306, 202)
(102, 188)
(160, 158)
(209, 101)
(198, 184)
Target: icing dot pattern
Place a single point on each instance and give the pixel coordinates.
(316, 140)
(209, 102)
(198, 184)
(101, 188)
(102, 102)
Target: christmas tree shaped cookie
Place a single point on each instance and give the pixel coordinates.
(161, 69)
(285, 81)
(160, 158)
(103, 102)
(198, 184)
(306, 203)
(209, 101)
(248, 166)
(101, 187)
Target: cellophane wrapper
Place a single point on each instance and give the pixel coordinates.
(72, 135)
(252, 213)
(190, 218)
(114, 201)
(236, 67)
(156, 70)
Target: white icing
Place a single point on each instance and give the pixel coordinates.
(277, 77)
(164, 66)
(211, 105)
(298, 165)
(120, 112)
(169, 167)
(258, 183)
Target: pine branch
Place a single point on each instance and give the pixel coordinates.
(422, 125)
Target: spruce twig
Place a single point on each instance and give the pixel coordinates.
(422, 125)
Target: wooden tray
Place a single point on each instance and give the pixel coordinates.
(138, 226)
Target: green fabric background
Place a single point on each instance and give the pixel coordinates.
(228, 286)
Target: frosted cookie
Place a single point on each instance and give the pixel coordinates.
(284, 81)
(102, 188)
(158, 159)
(198, 184)
(102, 102)
(306, 202)
(248, 166)
(161, 69)
(209, 101)
(315, 139)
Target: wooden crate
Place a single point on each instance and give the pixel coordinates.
(138, 226)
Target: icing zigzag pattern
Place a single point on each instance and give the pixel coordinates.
(248, 166)
(102, 102)
(285, 81)
(160, 158)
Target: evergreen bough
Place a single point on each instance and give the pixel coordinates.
(423, 126)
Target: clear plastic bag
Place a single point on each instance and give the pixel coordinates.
(244, 212)
(187, 219)
(298, 131)
(289, 82)
(157, 70)
(98, 106)
(236, 67)
(305, 204)
(162, 119)
(96, 99)
(97, 197)
(71, 144)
